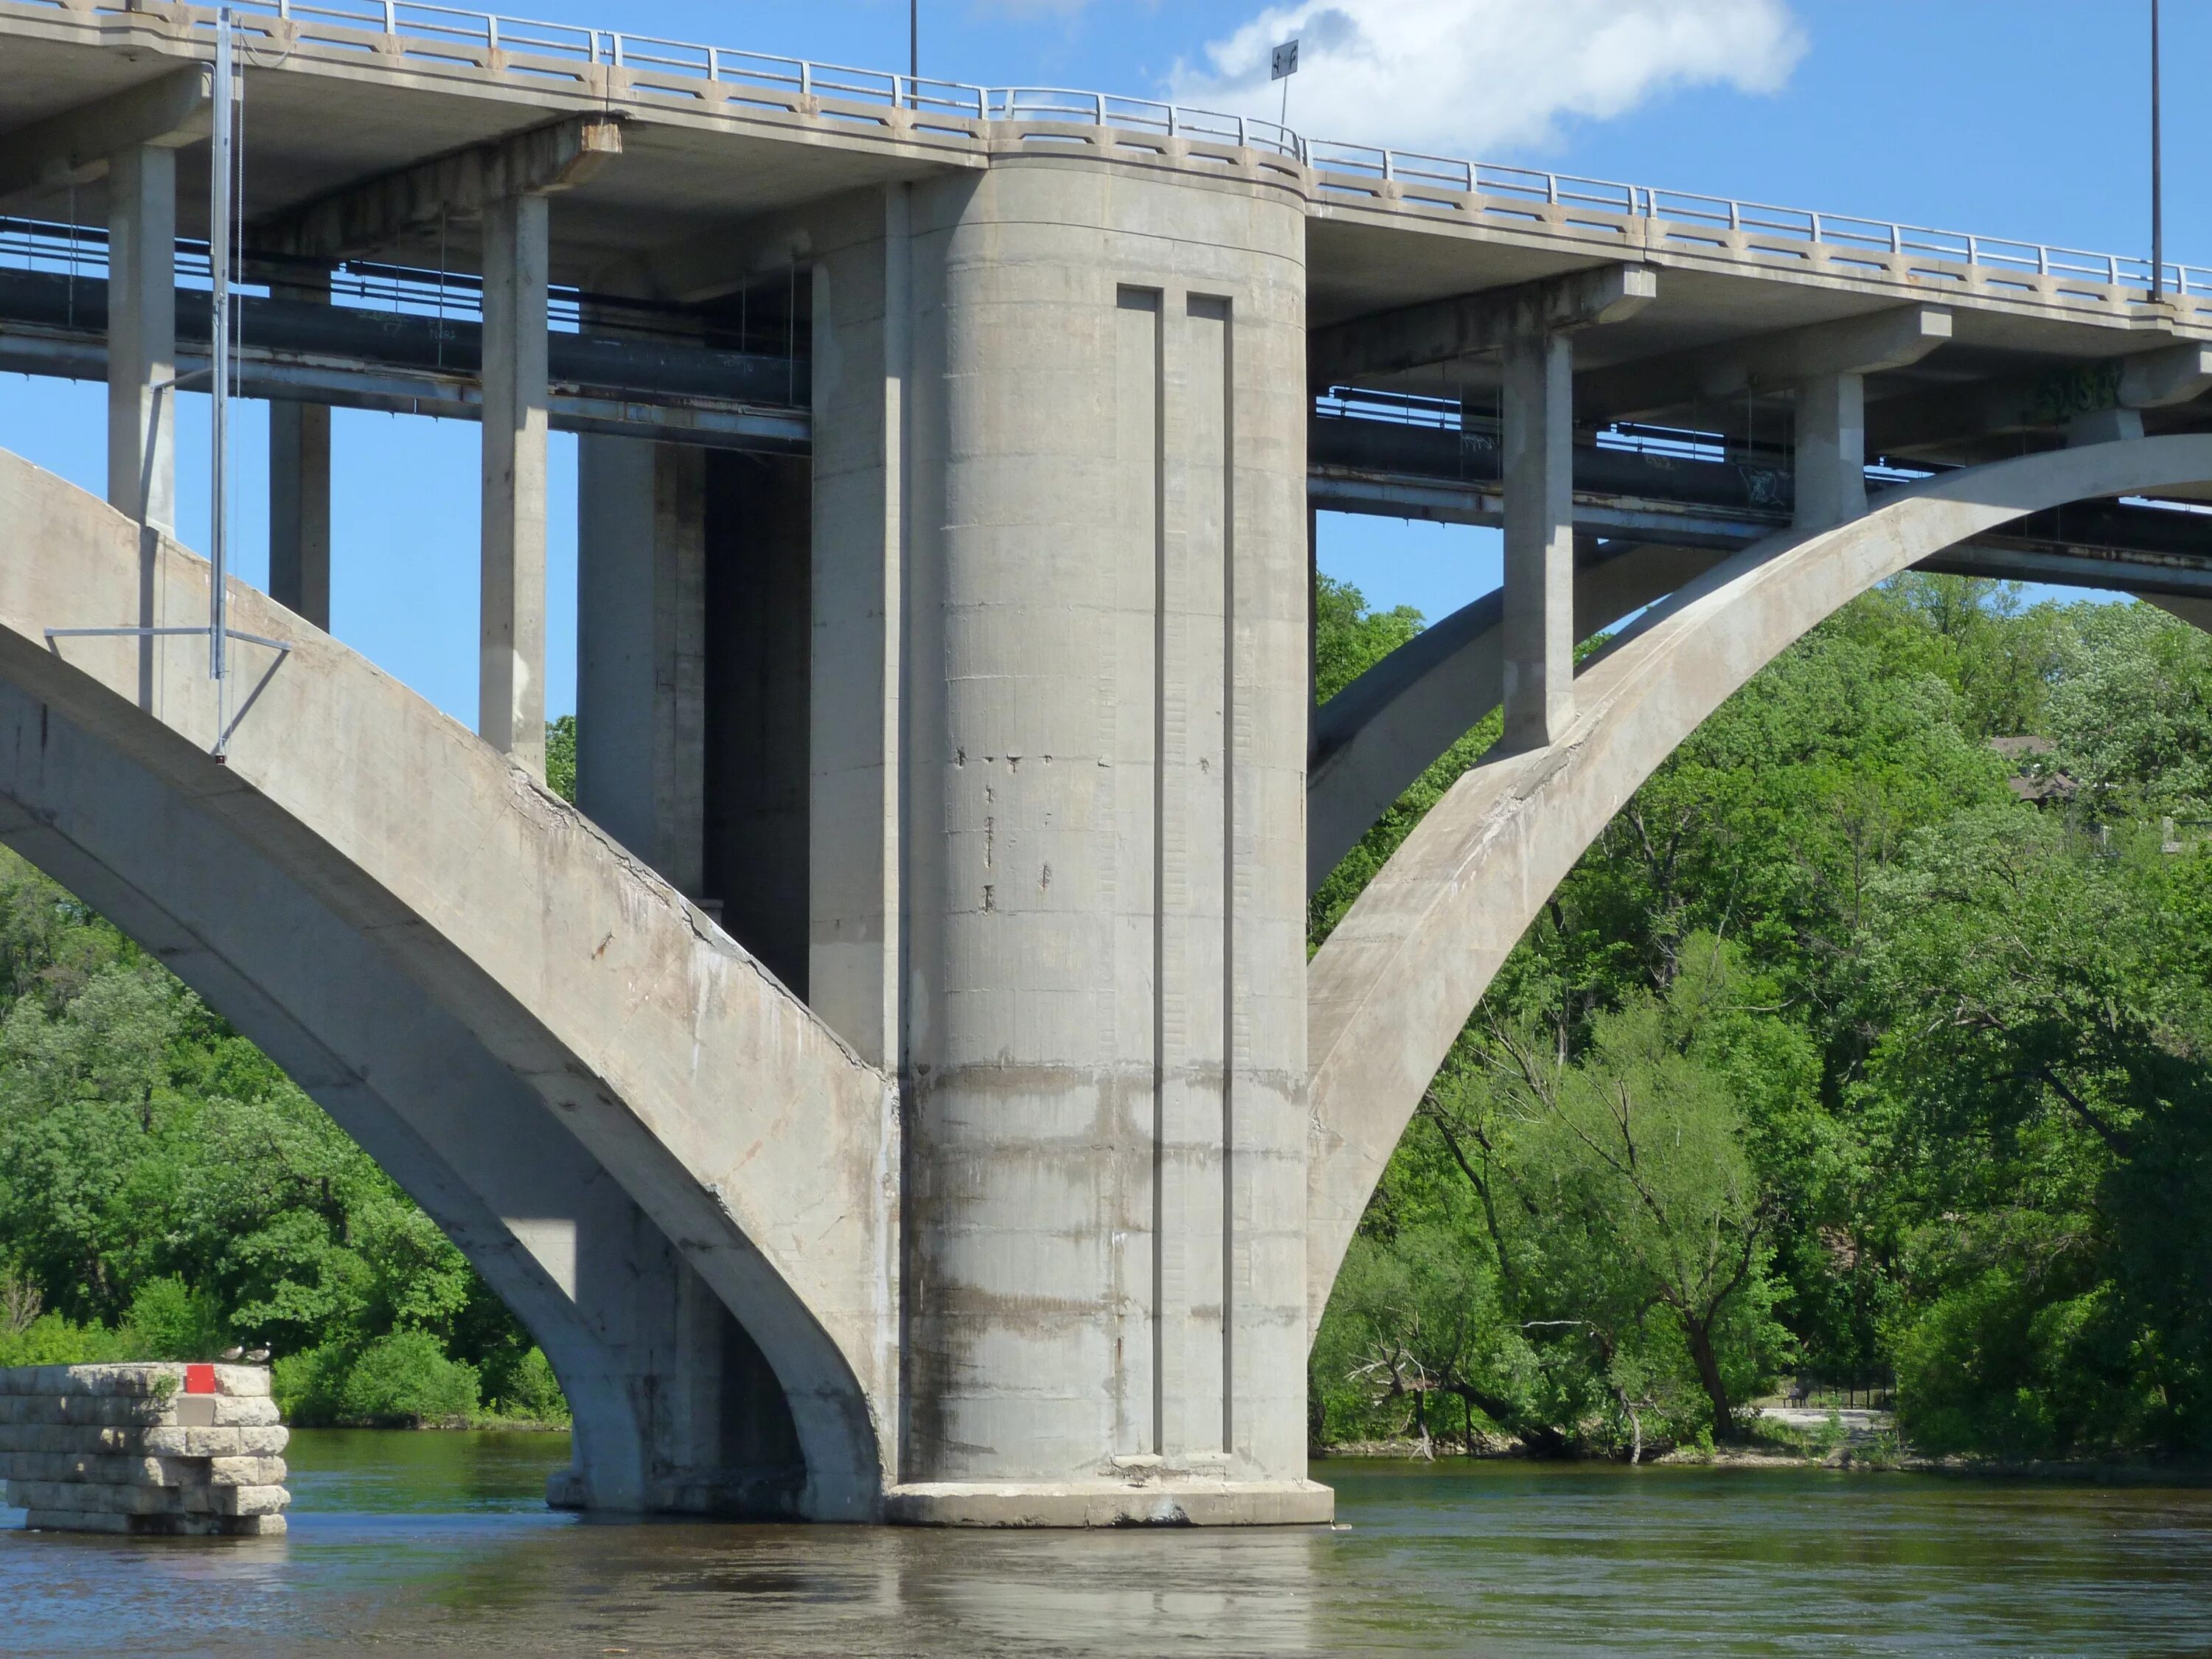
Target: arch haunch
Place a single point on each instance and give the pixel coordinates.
(1393, 986)
(621, 1118)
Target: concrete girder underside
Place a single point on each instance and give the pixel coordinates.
(1394, 984)
(559, 1055)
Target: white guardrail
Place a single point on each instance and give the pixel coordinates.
(435, 31)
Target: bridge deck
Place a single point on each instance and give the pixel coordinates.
(704, 155)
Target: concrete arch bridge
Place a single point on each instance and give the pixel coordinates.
(901, 1091)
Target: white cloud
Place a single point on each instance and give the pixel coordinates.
(1463, 77)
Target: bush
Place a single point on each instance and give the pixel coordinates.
(51, 1339)
(306, 1384)
(406, 1380)
(530, 1392)
(169, 1319)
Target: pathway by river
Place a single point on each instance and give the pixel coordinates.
(441, 1543)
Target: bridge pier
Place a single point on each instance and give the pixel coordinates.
(1104, 1024)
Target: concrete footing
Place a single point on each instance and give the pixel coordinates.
(1172, 1502)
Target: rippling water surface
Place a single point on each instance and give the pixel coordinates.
(441, 1542)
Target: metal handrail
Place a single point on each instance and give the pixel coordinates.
(446, 30)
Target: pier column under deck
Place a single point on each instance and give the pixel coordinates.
(300, 488)
(142, 335)
(1538, 456)
(640, 649)
(1830, 451)
(511, 673)
(1104, 1059)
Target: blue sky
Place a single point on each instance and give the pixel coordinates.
(2012, 118)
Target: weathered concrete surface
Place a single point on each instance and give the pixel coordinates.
(1373, 739)
(1395, 983)
(1106, 600)
(376, 895)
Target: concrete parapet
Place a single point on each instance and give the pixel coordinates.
(154, 1449)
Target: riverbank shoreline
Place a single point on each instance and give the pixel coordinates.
(1889, 1458)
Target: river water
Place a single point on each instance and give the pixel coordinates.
(441, 1542)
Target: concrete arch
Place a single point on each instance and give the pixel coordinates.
(579, 1076)
(1373, 739)
(1392, 987)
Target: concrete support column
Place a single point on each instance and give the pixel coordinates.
(511, 674)
(1107, 595)
(1831, 451)
(640, 649)
(862, 305)
(760, 616)
(142, 335)
(1538, 458)
(300, 488)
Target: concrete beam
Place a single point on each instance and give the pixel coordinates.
(75, 147)
(1792, 356)
(1448, 330)
(2155, 379)
(2057, 398)
(377, 211)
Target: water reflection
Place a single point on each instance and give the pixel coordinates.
(441, 1542)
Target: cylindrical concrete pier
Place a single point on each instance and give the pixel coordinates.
(1104, 1042)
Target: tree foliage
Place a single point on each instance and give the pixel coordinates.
(166, 1193)
(1833, 1054)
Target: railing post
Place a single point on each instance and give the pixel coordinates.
(390, 17)
(1098, 109)
(1240, 133)
(491, 32)
(1736, 216)
(1896, 239)
(714, 62)
(1386, 165)
(1551, 188)
(1814, 220)
(615, 46)
(1973, 250)
(2112, 269)
(805, 78)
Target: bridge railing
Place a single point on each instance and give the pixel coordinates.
(432, 30)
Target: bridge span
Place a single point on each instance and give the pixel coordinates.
(901, 1091)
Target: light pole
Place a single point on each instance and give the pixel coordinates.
(2157, 187)
(914, 48)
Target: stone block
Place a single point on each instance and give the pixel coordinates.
(232, 1500)
(98, 1468)
(239, 1471)
(59, 1495)
(178, 1441)
(246, 1412)
(157, 1526)
(99, 1411)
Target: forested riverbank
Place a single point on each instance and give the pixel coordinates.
(1868, 1044)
